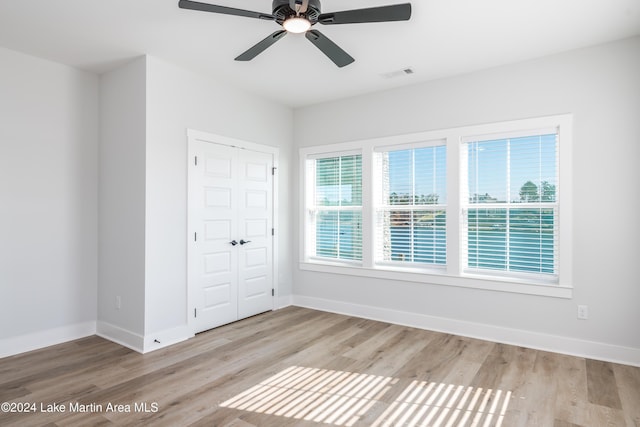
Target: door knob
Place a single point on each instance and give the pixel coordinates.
(233, 242)
(242, 242)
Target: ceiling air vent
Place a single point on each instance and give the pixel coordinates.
(404, 72)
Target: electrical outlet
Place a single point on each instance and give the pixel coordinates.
(583, 312)
(118, 302)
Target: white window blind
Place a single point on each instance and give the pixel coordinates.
(336, 209)
(411, 209)
(510, 204)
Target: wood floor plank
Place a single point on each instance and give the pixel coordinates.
(42, 360)
(9, 392)
(300, 367)
(628, 382)
(83, 420)
(561, 423)
(604, 416)
(571, 399)
(433, 359)
(506, 367)
(541, 391)
(63, 358)
(370, 329)
(601, 385)
(390, 351)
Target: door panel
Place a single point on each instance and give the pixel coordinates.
(217, 295)
(219, 229)
(216, 197)
(255, 274)
(255, 286)
(214, 279)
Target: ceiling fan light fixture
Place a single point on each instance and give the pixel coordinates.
(297, 25)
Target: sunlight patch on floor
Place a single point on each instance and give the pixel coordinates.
(342, 398)
(320, 395)
(446, 405)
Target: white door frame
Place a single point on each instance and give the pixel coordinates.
(192, 137)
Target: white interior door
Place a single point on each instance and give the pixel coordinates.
(230, 231)
(213, 282)
(255, 217)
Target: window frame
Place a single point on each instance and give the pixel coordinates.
(453, 273)
(508, 205)
(380, 207)
(312, 206)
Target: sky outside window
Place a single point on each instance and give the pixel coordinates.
(499, 169)
(420, 173)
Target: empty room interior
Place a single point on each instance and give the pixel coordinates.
(306, 213)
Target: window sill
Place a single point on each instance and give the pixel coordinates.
(435, 277)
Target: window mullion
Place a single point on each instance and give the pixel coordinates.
(457, 167)
(540, 192)
(338, 239)
(369, 182)
(412, 212)
(507, 248)
(311, 212)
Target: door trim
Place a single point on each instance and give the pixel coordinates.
(194, 136)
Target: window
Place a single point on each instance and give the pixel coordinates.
(510, 204)
(485, 206)
(411, 214)
(336, 209)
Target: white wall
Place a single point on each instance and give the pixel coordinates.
(146, 108)
(122, 203)
(83, 223)
(601, 87)
(48, 202)
(178, 99)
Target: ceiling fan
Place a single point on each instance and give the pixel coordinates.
(298, 16)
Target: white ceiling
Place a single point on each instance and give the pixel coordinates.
(443, 38)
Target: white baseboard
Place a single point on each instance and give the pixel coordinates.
(33, 341)
(146, 343)
(559, 344)
(535, 340)
(120, 336)
(158, 340)
(23, 343)
(283, 301)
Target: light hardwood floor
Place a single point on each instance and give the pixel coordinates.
(300, 367)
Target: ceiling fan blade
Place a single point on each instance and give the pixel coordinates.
(206, 7)
(329, 48)
(396, 12)
(261, 46)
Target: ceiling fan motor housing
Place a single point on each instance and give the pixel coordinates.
(282, 11)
